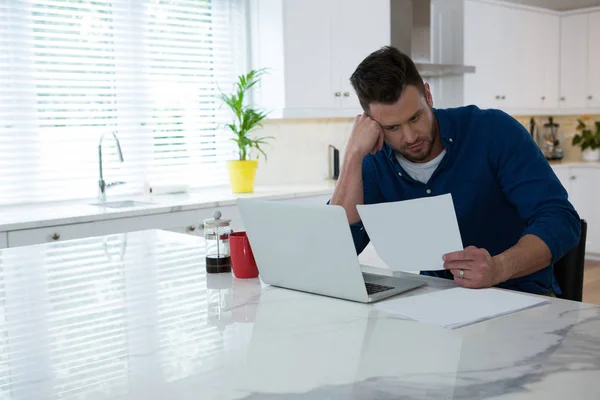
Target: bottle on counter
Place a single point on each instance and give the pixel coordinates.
(216, 236)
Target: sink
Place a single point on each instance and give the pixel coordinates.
(122, 204)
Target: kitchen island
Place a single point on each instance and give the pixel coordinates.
(135, 316)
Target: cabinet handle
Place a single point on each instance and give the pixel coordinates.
(590, 97)
(191, 228)
(543, 98)
(572, 177)
(55, 236)
(338, 94)
(503, 97)
(346, 94)
(497, 97)
(562, 98)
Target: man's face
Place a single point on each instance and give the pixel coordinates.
(408, 125)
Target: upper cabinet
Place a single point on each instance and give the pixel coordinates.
(528, 61)
(593, 75)
(311, 48)
(485, 48)
(574, 61)
(515, 53)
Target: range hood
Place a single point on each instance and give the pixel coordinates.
(411, 33)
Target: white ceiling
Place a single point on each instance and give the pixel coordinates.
(559, 5)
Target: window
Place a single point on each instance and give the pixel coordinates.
(149, 70)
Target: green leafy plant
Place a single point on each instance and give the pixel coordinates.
(587, 139)
(246, 118)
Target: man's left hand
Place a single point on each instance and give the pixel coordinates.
(480, 269)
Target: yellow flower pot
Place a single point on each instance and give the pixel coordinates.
(241, 175)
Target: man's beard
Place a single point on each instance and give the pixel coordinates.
(425, 151)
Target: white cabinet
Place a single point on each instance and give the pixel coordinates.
(585, 197)
(359, 28)
(563, 173)
(311, 48)
(573, 60)
(583, 185)
(183, 222)
(537, 77)
(515, 54)
(484, 48)
(580, 61)
(3, 240)
(593, 95)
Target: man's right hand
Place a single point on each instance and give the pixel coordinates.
(367, 137)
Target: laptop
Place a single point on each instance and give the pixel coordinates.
(309, 248)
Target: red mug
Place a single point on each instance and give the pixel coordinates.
(242, 258)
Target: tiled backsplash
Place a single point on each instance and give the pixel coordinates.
(299, 152)
(566, 131)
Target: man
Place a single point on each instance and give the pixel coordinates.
(513, 213)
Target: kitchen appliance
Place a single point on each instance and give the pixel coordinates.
(412, 32)
(216, 236)
(334, 162)
(551, 144)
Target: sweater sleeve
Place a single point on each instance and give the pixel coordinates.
(531, 186)
(372, 195)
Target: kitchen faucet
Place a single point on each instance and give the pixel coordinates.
(102, 185)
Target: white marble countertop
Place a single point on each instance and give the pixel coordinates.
(134, 316)
(60, 213)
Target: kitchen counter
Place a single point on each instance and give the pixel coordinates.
(134, 316)
(578, 164)
(59, 213)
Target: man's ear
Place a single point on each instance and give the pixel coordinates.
(428, 95)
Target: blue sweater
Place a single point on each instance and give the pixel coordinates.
(501, 185)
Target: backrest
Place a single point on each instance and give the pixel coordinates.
(569, 269)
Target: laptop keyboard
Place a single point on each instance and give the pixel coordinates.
(373, 288)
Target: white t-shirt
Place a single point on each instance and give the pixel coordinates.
(420, 171)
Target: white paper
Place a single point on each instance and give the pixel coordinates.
(413, 235)
(458, 307)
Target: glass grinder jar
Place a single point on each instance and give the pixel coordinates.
(216, 236)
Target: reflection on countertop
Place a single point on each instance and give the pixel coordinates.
(135, 316)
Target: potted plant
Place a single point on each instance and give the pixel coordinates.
(588, 141)
(245, 119)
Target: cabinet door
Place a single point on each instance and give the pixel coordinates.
(549, 61)
(485, 45)
(359, 28)
(537, 75)
(308, 55)
(176, 221)
(573, 61)
(563, 174)
(593, 99)
(3, 240)
(585, 196)
(517, 63)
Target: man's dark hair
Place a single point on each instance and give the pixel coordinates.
(383, 76)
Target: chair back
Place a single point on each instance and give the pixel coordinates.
(569, 269)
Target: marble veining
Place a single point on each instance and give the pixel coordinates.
(134, 316)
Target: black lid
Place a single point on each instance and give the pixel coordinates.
(551, 123)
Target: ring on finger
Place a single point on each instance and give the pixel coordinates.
(461, 274)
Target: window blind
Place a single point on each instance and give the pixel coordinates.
(148, 70)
